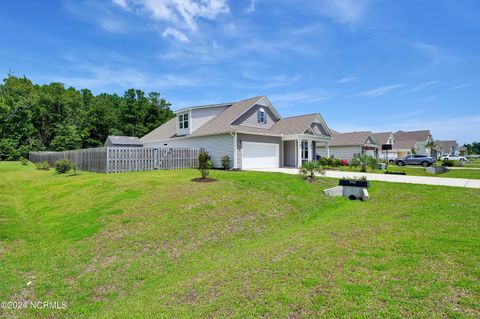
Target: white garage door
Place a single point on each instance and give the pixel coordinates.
(259, 155)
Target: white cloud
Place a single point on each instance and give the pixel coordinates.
(121, 3)
(381, 90)
(345, 80)
(461, 86)
(180, 36)
(291, 100)
(419, 87)
(251, 7)
(111, 25)
(183, 13)
(344, 11)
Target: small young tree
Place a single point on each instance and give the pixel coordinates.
(204, 163)
(309, 169)
(23, 160)
(225, 162)
(363, 161)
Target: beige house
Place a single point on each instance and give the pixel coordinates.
(447, 148)
(406, 143)
(384, 138)
(251, 132)
(347, 145)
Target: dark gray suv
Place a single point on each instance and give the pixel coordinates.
(423, 160)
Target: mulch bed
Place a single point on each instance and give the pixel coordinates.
(204, 180)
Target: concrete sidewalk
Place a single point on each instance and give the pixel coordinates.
(424, 180)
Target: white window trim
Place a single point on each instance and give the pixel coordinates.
(182, 121)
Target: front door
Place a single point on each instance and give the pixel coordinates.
(304, 151)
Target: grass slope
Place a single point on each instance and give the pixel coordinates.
(154, 245)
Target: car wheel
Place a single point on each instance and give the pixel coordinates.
(391, 161)
(462, 160)
(400, 163)
(424, 164)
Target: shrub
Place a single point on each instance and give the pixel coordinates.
(62, 166)
(23, 160)
(448, 163)
(344, 162)
(43, 166)
(336, 162)
(225, 162)
(325, 161)
(310, 168)
(363, 161)
(204, 163)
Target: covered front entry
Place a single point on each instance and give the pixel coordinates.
(260, 155)
(302, 148)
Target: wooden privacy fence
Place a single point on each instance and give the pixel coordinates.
(123, 159)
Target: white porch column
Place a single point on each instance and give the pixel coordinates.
(299, 151)
(327, 146)
(310, 150)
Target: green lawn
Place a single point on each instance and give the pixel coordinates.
(156, 245)
(417, 171)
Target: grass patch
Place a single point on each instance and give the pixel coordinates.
(418, 171)
(156, 245)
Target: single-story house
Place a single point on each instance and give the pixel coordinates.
(463, 151)
(384, 138)
(447, 148)
(251, 132)
(347, 145)
(406, 143)
(123, 141)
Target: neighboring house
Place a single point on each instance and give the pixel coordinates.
(347, 145)
(250, 132)
(125, 141)
(463, 151)
(384, 138)
(447, 148)
(406, 143)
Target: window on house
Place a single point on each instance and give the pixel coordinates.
(261, 116)
(304, 150)
(183, 121)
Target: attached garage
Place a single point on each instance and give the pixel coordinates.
(260, 155)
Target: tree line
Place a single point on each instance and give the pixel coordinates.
(52, 117)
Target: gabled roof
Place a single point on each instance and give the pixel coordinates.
(221, 123)
(423, 135)
(404, 145)
(382, 137)
(446, 146)
(124, 140)
(351, 138)
(203, 107)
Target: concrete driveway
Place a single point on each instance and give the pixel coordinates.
(424, 180)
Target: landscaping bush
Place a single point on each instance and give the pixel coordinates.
(204, 163)
(43, 166)
(336, 162)
(363, 161)
(344, 162)
(448, 163)
(325, 161)
(310, 168)
(62, 166)
(225, 162)
(23, 160)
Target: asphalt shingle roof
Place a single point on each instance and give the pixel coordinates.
(382, 137)
(350, 138)
(412, 135)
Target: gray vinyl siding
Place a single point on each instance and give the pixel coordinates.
(250, 118)
(216, 145)
(290, 150)
(258, 139)
(340, 152)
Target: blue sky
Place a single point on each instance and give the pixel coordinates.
(363, 64)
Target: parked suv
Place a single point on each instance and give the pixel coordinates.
(423, 160)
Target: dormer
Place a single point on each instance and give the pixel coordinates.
(190, 119)
(184, 123)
